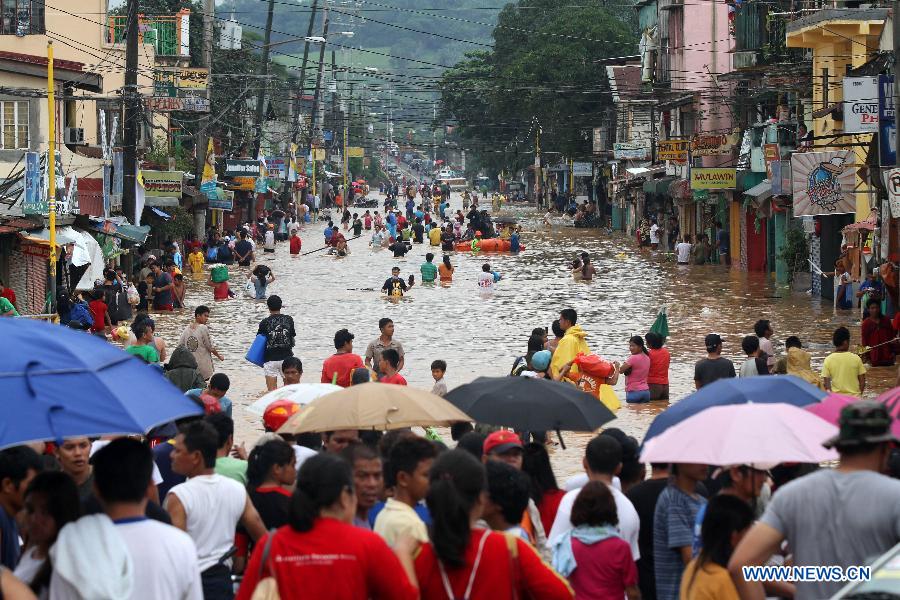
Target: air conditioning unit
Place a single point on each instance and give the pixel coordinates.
(74, 136)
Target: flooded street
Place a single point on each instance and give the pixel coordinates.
(481, 334)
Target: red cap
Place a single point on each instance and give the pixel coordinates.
(278, 413)
(501, 441)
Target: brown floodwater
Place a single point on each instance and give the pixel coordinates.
(481, 334)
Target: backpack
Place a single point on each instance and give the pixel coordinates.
(81, 313)
(209, 403)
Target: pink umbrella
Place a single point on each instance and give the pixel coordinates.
(736, 434)
(830, 408)
(891, 399)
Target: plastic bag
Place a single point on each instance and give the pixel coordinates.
(133, 296)
(249, 288)
(219, 274)
(593, 365)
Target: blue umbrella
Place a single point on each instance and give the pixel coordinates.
(57, 382)
(786, 389)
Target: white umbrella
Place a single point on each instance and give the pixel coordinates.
(301, 393)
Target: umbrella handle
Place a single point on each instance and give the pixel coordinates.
(562, 444)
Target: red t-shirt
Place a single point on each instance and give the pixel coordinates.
(342, 365)
(494, 578)
(9, 294)
(296, 244)
(98, 310)
(220, 291)
(396, 379)
(333, 560)
(604, 569)
(548, 507)
(659, 366)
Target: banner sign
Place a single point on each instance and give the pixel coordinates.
(168, 104)
(318, 154)
(823, 182)
(713, 145)
(355, 152)
(221, 200)
(242, 168)
(166, 184)
(887, 127)
(673, 150)
(860, 104)
(33, 203)
(630, 151)
(771, 153)
(276, 167)
(118, 180)
(713, 178)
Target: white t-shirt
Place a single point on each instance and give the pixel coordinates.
(629, 523)
(213, 505)
(654, 234)
(270, 240)
(486, 280)
(684, 252)
(302, 454)
(164, 560)
(576, 482)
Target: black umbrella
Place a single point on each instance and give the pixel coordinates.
(530, 404)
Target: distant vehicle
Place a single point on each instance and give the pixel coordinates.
(450, 177)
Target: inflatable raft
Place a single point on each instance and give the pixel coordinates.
(490, 245)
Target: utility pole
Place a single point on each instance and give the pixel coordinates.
(261, 98)
(51, 175)
(348, 108)
(129, 125)
(896, 25)
(299, 99)
(317, 95)
(538, 172)
(201, 139)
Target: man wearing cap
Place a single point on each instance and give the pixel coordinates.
(714, 366)
(505, 446)
(843, 516)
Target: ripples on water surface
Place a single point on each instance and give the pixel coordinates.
(481, 334)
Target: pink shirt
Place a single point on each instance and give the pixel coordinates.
(636, 380)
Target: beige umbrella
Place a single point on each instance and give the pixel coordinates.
(377, 406)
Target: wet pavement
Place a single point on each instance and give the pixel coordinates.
(482, 334)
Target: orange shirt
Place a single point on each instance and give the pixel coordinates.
(445, 272)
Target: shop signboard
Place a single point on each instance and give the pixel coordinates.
(771, 154)
(33, 203)
(673, 150)
(860, 104)
(713, 178)
(184, 104)
(892, 183)
(823, 182)
(162, 184)
(242, 168)
(222, 200)
(355, 152)
(318, 154)
(582, 169)
(630, 151)
(713, 145)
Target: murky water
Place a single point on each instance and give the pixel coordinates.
(480, 334)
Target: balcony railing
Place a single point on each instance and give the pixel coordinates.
(163, 32)
(760, 36)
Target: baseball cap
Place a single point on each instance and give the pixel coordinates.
(541, 360)
(502, 441)
(712, 341)
(278, 413)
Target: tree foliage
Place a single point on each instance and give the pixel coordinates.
(543, 71)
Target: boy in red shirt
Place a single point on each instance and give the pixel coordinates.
(295, 242)
(338, 368)
(390, 359)
(100, 312)
(221, 291)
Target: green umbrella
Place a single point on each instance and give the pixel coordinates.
(661, 324)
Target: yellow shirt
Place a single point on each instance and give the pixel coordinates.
(712, 582)
(397, 520)
(434, 236)
(844, 369)
(196, 261)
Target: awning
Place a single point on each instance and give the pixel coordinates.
(164, 201)
(648, 171)
(760, 191)
(330, 174)
(658, 186)
(160, 213)
(64, 236)
(118, 227)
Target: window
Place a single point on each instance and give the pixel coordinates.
(14, 125)
(21, 17)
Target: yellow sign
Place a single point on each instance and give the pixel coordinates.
(244, 184)
(209, 167)
(318, 154)
(355, 152)
(674, 150)
(707, 178)
(164, 184)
